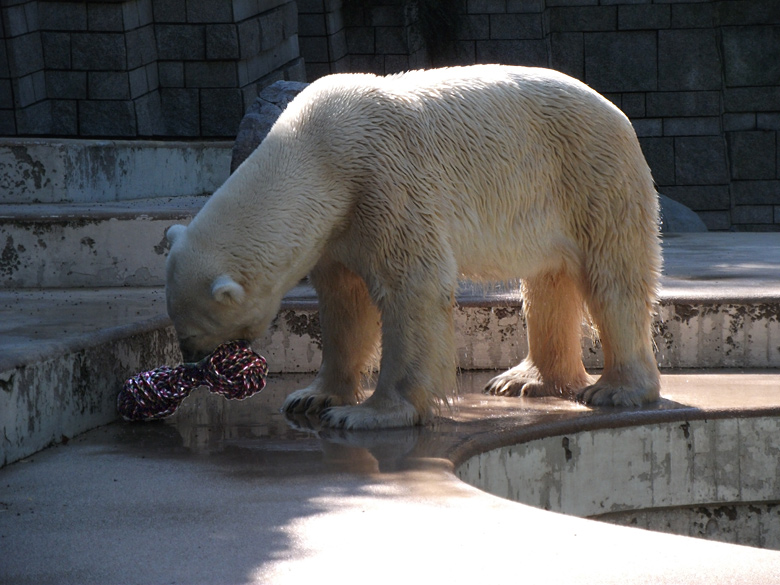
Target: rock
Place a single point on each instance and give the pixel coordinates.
(676, 217)
(261, 115)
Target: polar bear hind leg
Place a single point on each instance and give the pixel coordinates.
(620, 298)
(350, 333)
(552, 305)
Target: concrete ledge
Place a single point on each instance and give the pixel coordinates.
(87, 245)
(65, 170)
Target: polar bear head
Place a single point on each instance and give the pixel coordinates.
(206, 298)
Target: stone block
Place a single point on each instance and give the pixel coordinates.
(107, 118)
(583, 19)
(337, 46)
(6, 94)
(145, 12)
(645, 127)
(516, 26)
(752, 214)
(56, 50)
(171, 73)
(30, 89)
(531, 53)
(751, 55)
(694, 126)
(272, 30)
(391, 40)
(139, 82)
(746, 12)
(634, 104)
(644, 17)
(621, 62)
(53, 16)
(249, 38)
(141, 46)
(751, 99)
(243, 9)
(701, 15)
(700, 160)
(209, 11)
(567, 53)
(659, 153)
(312, 25)
(98, 51)
(317, 70)
(222, 42)
(386, 16)
(152, 76)
(220, 112)
(756, 192)
(688, 60)
(290, 20)
(210, 74)
(314, 49)
(14, 20)
(25, 54)
(66, 85)
(733, 122)
(181, 42)
(683, 103)
(334, 22)
(180, 111)
(524, 6)
(105, 17)
(148, 115)
(35, 119)
(473, 27)
(716, 220)
(309, 6)
(701, 198)
(485, 6)
(266, 5)
(169, 11)
(7, 123)
(5, 72)
(768, 121)
(367, 64)
(753, 154)
(360, 40)
(64, 117)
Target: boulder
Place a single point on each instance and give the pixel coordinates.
(260, 116)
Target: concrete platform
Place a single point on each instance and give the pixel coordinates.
(234, 493)
(64, 353)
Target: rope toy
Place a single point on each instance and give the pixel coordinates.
(232, 370)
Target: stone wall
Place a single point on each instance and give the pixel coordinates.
(127, 68)
(699, 79)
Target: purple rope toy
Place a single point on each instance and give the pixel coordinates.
(232, 370)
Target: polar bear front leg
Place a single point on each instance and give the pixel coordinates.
(418, 362)
(350, 332)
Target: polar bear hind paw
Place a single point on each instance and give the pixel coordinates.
(597, 395)
(309, 401)
(364, 417)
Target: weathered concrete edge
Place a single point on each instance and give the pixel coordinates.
(80, 388)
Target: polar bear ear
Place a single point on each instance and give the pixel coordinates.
(225, 290)
(175, 232)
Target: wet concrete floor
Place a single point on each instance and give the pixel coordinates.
(231, 492)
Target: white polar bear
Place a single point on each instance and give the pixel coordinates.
(386, 189)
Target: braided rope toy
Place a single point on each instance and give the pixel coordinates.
(232, 370)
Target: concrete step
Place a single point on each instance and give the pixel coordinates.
(34, 170)
(64, 353)
(65, 245)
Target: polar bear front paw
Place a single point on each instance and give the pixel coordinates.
(311, 401)
(367, 417)
(522, 380)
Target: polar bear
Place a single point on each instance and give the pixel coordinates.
(386, 190)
